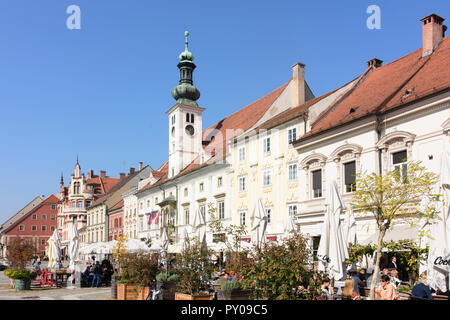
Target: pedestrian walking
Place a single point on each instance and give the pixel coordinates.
(97, 270)
(37, 268)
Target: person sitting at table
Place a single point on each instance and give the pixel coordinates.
(86, 275)
(422, 290)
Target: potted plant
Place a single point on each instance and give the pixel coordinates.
(19, 253)
(232, 290)
(22, 278)
(168, 283)
(195, 268)
(138, 275)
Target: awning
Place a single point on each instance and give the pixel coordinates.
(398, 232)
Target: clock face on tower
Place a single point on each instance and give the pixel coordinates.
(190, 130)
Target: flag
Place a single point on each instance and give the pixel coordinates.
(157, 217)
(151, 217)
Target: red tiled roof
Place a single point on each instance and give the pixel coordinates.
(384, 87)
(106, 183)
(51, 199)
(117, 205)
(241, 119)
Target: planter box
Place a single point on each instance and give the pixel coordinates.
(183, 296)
(128, 292)
(233, 295)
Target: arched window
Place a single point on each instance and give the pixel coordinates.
(314, 166)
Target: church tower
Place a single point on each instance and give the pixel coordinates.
(185, 117)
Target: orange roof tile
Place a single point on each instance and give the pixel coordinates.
(384, 87)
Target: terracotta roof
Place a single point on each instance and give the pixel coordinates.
(118, 205)
(51, 199)
(241, 119)
(106, 183)
(384, 87)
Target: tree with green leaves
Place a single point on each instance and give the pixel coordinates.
(396, 195)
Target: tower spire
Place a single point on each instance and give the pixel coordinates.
(186, 93)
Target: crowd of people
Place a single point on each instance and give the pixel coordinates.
(97, 274)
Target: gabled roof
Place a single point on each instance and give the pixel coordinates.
(106, 183)
(18, 217)
(22, 212)
(384, 88)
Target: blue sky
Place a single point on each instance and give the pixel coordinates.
(101, 92)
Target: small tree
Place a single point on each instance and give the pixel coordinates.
(19, 252)
(120, 249)
(395, 195)
(232, 239)
(275, 270)
(139, 268)
(194, 267)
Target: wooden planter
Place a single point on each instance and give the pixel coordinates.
(128, 292)
(233, 295)
(183, 296)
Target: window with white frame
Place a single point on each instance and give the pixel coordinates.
(317, 183)
(185, 192)
(79, 204)
(399, 163)
(33, 228)
(34, 217)
(242, 184)
(242, 218)
(292, 135)
(203, 211)
(21, 228)
(221, 209)
(350, 176)
(44, 228)
(292, 209)
(201, 187)
(44, 217)
(269, 215)
(219, 182)
(267, 178)
(292, 171)
(242, 154)
(266, 145)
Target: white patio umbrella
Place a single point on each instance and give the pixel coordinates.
(165, 241)
(259, 223)
(291, 227)
(55, 245)
(439, 247)
(185, 238)
(350, 228)
(73, 246)
(199, 225)
(134, 245)
(332, 249)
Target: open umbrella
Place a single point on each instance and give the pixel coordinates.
(332, 250)
(259, 223)
(438, 267)
(73, 246)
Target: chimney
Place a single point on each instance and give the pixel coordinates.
(298, 76)
(121, 175)
(433, 32)
(103, 174)
(131, 170)
(90, 174)
(374, 62)
(140, 166)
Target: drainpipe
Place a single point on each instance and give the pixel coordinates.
(378, 128)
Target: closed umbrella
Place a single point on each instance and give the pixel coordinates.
(55, 250)
(350, 228)
(439, 248)
(332, 249)
(200, 225)
(259, 223)
(291, 227)
(73, 246)
(185, 238)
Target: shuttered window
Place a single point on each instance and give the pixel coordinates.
(317, 183)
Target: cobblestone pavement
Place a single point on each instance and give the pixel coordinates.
(6, 293)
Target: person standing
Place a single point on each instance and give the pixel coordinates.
(97, 272)
(422, 290)
(37, 267)
(357, 281)
(393, 263)
(386, 291)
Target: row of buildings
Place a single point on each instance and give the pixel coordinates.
(284, 148)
